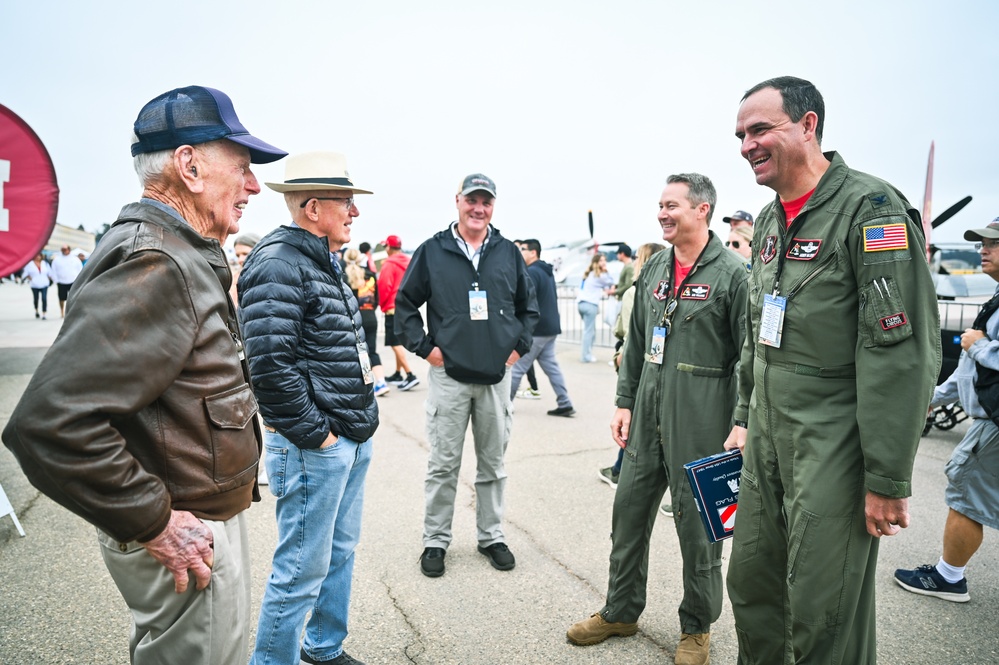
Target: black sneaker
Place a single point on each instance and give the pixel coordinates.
(432, 561)
(395, 379)
(343, 659)
(410, 382)
(564, 411)
(499, 555)
(926, 581)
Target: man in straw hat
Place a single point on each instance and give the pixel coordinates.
(313, 381)
(481, 311)
(140, 418)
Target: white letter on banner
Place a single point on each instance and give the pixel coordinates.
(4, 177)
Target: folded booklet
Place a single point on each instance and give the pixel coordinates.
(715, 483)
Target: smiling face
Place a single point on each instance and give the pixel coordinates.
(475, 210)
(990, 257)
(335, 218)
(228, 185)
(775, 146)
(681, 221)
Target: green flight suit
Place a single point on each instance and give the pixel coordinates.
(835, 411)
(681, 412)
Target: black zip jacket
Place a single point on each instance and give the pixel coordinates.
(441, 276)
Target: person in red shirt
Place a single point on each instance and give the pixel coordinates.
(389, 280)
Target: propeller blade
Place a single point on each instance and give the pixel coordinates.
(950, 212)
(591, 225)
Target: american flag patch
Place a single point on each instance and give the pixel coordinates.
(886, 237)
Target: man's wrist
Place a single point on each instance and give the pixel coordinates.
(740, 423)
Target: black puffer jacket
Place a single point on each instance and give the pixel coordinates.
(296, 315)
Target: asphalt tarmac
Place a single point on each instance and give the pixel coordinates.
(58, 604)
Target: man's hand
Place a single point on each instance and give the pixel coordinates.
(185, 545)
(620, 426)
(885, 516)
(736, 439)
(330, 440)
(436, 358)
(969, 337)
(512, 360)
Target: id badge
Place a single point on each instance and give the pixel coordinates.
(658, 344)
(772, 320)
(478, 307)
(365, 360)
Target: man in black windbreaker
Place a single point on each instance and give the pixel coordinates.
(481, 310)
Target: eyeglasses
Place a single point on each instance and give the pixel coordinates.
(348, 202)
(987, 244)
(734, 244)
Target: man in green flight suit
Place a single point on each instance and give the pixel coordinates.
(678, 378)
(842, 353)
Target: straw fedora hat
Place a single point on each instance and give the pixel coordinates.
(316, 170)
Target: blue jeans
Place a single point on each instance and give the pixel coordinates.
(588, 311)
(319, 497)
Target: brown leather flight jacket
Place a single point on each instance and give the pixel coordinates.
(143, 404)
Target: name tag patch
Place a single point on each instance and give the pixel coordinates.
(893, 321)
(769, 250)
(661, 292)
(803, 250)
(885, 237)
(695, 292)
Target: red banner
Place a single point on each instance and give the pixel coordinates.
(29, 194)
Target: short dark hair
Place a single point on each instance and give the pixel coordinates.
(800, 97)
(624, 249)
(364, 247)
(532, 246)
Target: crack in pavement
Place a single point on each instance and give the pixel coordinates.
(417, 645)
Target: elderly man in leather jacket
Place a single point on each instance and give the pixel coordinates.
(140, 418)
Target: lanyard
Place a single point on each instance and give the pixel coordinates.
(338, 277)
(672, 303)
(781, 237)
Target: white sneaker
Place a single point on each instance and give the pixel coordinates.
(528, 393)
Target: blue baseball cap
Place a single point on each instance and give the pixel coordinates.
(193, 115)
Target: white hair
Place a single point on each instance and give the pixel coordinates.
(294, 200)
(149, 166)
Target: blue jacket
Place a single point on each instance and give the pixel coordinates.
(302, 347)
(441, 276)
(550, 323)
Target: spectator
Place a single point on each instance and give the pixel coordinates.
(312, 379)
(972, 495)
(545, 333)
(597, 283)
(739, 218)
(364, 286)
(65, 269)
(740, 241)
(469, 264)
(40, 276)
(389, 280)
(150, 433)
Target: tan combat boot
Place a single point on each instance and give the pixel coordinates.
(597, 629)
(694, 649)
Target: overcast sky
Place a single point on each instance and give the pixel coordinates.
(568, 106)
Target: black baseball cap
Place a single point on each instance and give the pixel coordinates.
(194, 115)
(738, 216)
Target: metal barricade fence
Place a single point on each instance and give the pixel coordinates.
(572, 323)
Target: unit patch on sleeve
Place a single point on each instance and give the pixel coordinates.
(769, 250)
(893, 321)
(803, 250)
(661, 292)
(695, 292)
(885, 237)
